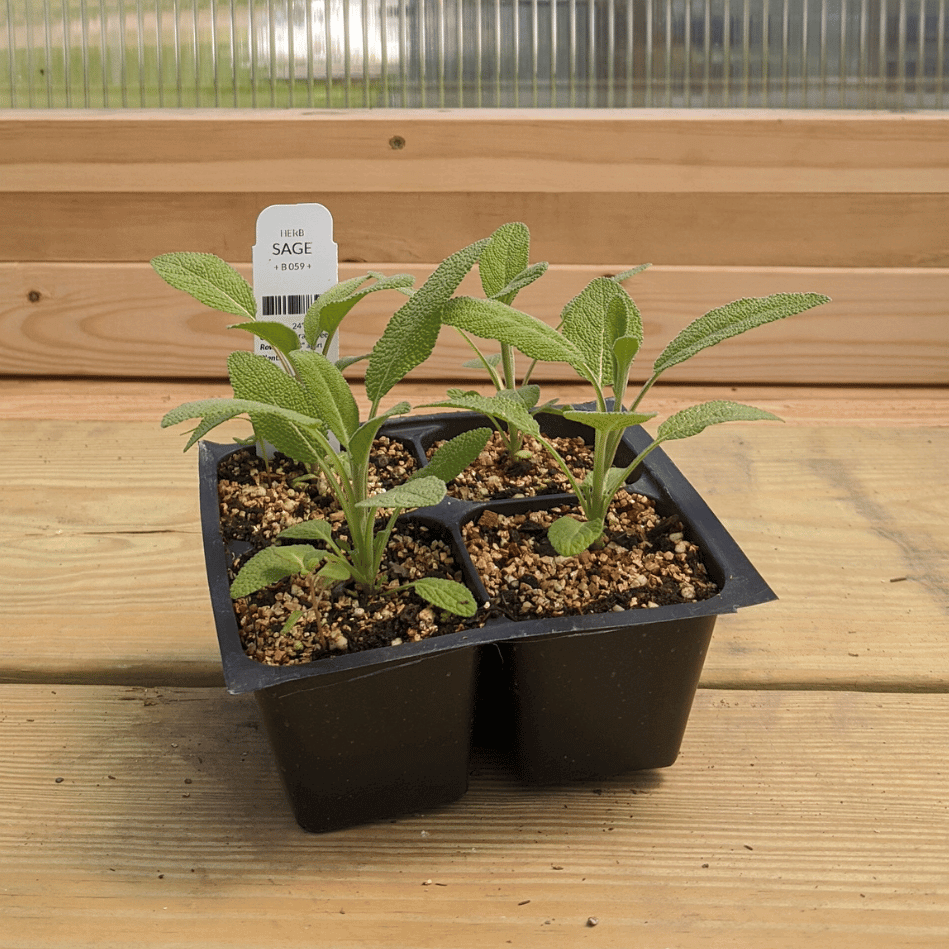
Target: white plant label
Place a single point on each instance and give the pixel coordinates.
(295, 260)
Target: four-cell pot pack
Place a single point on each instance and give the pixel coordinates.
(374, 734)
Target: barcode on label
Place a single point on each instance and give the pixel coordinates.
(290, 305)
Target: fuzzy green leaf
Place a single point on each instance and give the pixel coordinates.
(731, 320)
(346, 361)
(696, 418)
(315, 529)
(506, 255)
(255, 378)
(491, 319)
(447, 595)
(209, 280)
(524, 279)
(329, 391)
(279, 335)
(335, 570)
(499, 407)
(273, 564)
(595, 319)
(411, 333)
(608, 421)
(570, 537)
(298, 439)
(528, 395)
(330, 308)
(360, 445)
(453, 456)
(626, 274)
(491, 360)
(419, 492)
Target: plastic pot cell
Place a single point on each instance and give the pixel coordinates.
(376, 734)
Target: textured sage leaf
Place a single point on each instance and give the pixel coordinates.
(411, 333)
(594, 319)
(524, 279)
(510, 411)
(255, 378)
(209, 280)
(315, 529)
(504, 258)
(491, 360)
(279, 335)
(528, 395)
(614, 480)
(696, 418)
(608, 421)
(626, 274)
(491, 319)
(360, 445)
(335, 570)
(731, 320)
(330, 308)
(298, 439)
(456, 454)
(570, 537)
(329, 391)
(447, 595)
(419, 492)
(273, 564)
(346, 361)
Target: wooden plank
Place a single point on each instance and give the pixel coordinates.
(788, 816)
(103, 573)
(550, 151)
(884, 326)
(681, 228)
(126, 400)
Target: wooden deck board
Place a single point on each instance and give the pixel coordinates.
(884, 326)
(104, 573)
(789, 817)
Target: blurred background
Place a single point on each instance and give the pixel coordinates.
(848, 54)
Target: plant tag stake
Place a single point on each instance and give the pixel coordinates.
(295, 260)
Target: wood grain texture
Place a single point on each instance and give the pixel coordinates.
(880, 229)
(126, 400)
(789, 817)
(103, 573)
(552, 151)
(883, 326)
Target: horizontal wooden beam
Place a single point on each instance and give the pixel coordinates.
(884, 327)
(404, 151)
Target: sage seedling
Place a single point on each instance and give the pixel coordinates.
(599, 336)
(298, 411)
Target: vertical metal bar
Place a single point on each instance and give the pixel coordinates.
(234, 70)
(726, 52)
(863, 52)
(921, 56)
(28, 38)
(479, 54)
(460, 51)
(365, 53)
(440, 50)
(103, 55)
(11, 63)
(48, 49)
(765, 53)
(901, 55)
(649, 64)
(631, 49)
(668, 51)
(823, 53)
(123, 60)
(214, 54)
(383, 52)
(497, 52)
(291, 51)
(843, 69)
(517, 52)
(252, 50)
(572, 53)
(940, 53)
(707, 53)
(404, 52)
(592, 55)
(610, 51)
(535, 26)
(553, 51)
